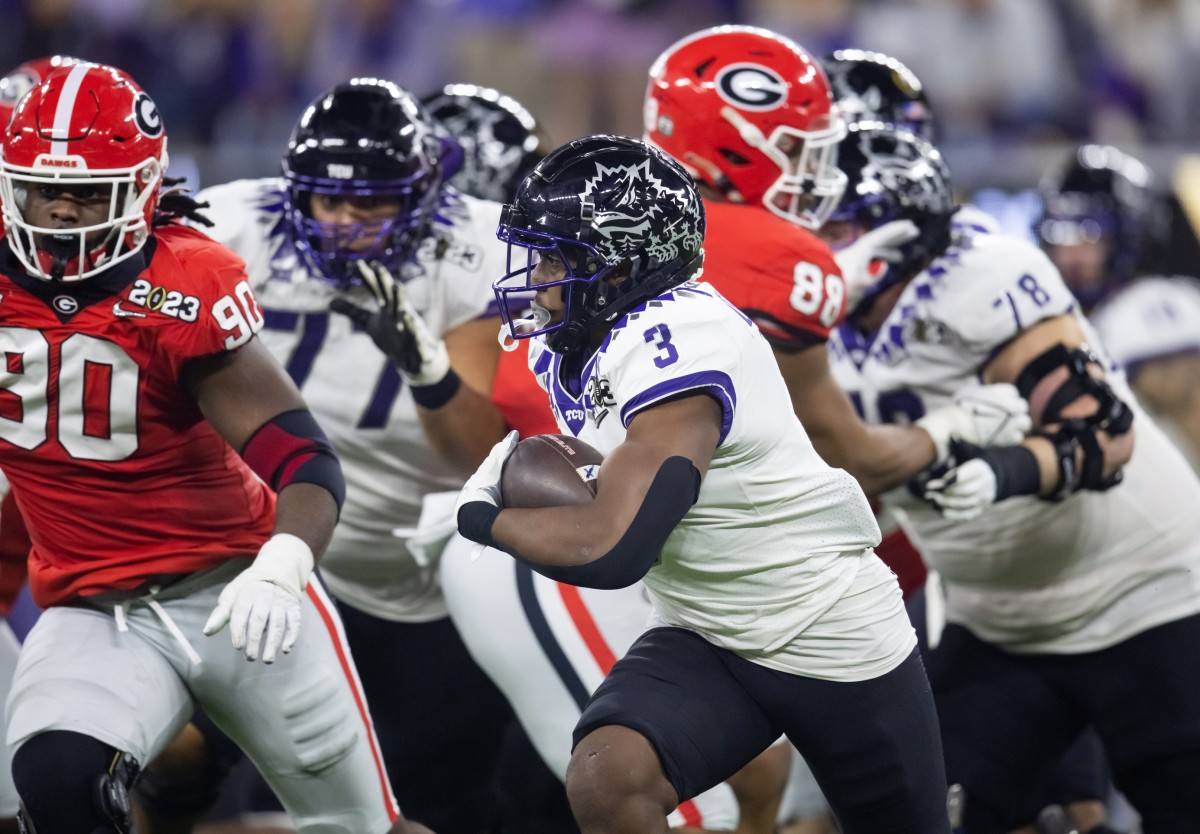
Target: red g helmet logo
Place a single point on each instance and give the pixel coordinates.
(750, 114)
(751, 87)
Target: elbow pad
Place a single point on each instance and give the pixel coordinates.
(672, 493)
(1112, 416)
(291, 448)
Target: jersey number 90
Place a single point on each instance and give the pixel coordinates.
(97, 385)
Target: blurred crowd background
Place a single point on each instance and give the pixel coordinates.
(1015, 83)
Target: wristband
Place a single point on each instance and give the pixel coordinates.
(437, 395)
(1016, 468)
(475, 520)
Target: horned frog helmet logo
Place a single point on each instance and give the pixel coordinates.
(894, 172)
(637, 213)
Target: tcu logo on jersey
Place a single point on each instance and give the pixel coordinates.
(751, 87)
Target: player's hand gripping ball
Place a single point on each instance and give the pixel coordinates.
(550, 470)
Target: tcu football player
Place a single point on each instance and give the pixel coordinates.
(774, 270)
(173, 483)
(362, 222)
(1072, 601)
(872, 87)
(500, 138)
(1098, 216)
(1152, 328)
(767, 596)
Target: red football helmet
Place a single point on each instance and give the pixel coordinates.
(83, 125)
(24, 78)
(749, 113)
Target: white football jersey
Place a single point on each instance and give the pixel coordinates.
(1151, 319)
(774, 560)
(354, 391)
(1029, 575)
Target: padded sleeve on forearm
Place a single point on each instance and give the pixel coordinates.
(291, 448)
(672, 493)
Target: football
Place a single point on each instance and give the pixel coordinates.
(550, 470)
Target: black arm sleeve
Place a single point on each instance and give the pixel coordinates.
(672, 493)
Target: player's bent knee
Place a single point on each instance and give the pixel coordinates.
(612, 768)
(71, 783)
(184, 781)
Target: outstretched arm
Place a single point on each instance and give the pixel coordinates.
(883, 457)
(645, 487)
(255, 406)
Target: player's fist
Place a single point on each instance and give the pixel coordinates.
(965, 491)
(984, 415)
(262, 603)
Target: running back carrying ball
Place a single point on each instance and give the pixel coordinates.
(550, 470)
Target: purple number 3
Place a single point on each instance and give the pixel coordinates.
(660, 337)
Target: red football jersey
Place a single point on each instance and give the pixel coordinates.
(782, 276)
(117, 474)
(516, 393)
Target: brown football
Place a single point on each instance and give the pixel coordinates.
(550, 470)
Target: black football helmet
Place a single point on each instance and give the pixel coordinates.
(501, 140)
(601, 203)
(1100, 195)
(364, 138)
(895, 175)
(872, 87)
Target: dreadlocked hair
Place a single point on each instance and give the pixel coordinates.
(176, 204)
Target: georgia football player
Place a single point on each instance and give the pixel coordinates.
(173, 483)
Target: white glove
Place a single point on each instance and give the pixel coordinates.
(964, 492)
(397, 328)
(265, 597)
(484, 485)
(881, 244)
(985, 415)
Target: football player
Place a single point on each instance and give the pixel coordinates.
(24, 78)
(770, 267)
(500, 138)
(173, 482)
(768, 599)
(871, 87)
(547, 686)
(1098, 215)
(1152, 328)
(14, 538)
(1069, 561)
(362, 212)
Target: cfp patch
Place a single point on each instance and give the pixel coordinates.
(161, 300)
(599, 394)
(930, 332)
(458, 252)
